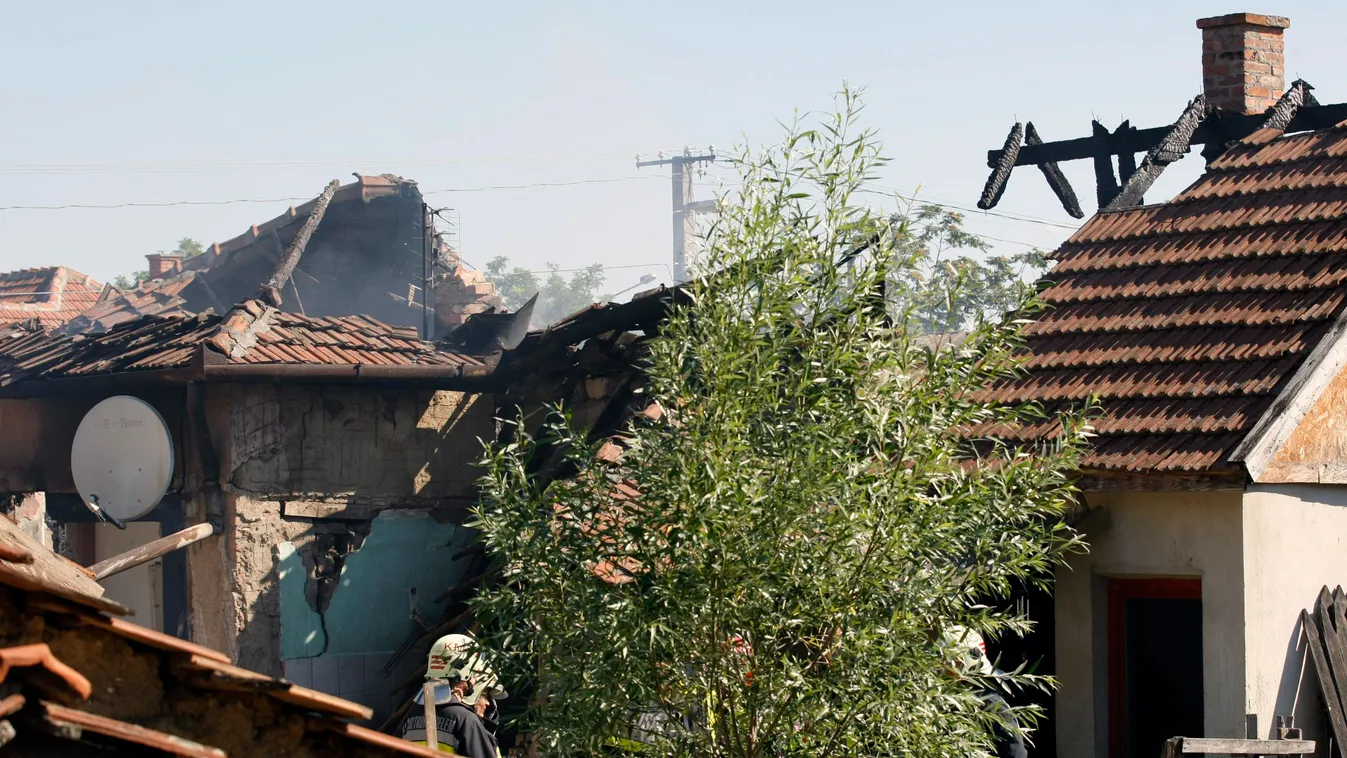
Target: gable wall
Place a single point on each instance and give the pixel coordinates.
(1316, 450)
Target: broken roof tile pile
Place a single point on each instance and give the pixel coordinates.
(75, 681)
(1187, 318)
(251, 333)
(52, 295)
(152, 298)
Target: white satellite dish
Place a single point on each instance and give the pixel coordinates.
(122, 457)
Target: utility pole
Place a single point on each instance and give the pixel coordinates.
(683, 205)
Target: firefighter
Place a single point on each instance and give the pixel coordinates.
(972, 665)
(466, 690)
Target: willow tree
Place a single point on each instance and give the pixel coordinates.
(815, 503)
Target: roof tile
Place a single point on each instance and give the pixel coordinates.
(1187, 318)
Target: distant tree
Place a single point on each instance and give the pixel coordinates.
(187, 248)
(558, 297)
(949, 281)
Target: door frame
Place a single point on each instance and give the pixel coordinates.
(1120, 590)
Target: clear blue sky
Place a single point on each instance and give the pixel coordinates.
(157, 101)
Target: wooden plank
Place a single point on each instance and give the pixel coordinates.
(428, 708)
(151, 550)
(1212, 746)
(1314, 641)
(228, 676)
(151, 638)
(49, 573)
(996, 183)
(120, 730)
(1335, 644)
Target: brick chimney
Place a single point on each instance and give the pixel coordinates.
(1243, 69)
(163, 265)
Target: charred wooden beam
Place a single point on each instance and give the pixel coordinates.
(1105, 183)
(271, 290)
(996, 183)
(1288, 105)
(1127, 162)
(1056, 179)
(1172, 148)
(1236, 126)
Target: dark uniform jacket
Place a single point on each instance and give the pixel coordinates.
(457, 726)
(1005, 736)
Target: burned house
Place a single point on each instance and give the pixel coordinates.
(375, 247)
(1211, 328)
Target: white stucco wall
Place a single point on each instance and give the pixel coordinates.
(1295, 542)
(1151, 534)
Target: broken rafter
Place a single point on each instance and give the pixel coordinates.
(1280, 115)
(1056, 179)
(1172, 148)
(271, 290)
(996, 183)
(1105, 182)
(1228, 127)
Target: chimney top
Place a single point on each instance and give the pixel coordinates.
(163, 264)
(1236, 19)
(1243, 61)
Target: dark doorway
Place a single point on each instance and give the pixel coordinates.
(1036, 651)
(1155, 664)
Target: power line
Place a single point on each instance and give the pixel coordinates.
(235, 167)
(174, 203)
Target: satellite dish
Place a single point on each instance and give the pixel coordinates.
(122, 458)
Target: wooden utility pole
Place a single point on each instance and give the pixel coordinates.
(683, 205)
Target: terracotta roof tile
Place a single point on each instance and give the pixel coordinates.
(52, 295)
(1187, 318)
(239, 337)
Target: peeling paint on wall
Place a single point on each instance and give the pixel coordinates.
(368, 610)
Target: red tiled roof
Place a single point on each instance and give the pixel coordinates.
(52, 295)
(251, 334)
(1188, 318)
(158, 297)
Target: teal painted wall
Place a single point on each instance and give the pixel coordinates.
(369, 609)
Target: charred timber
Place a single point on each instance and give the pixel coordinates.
(1056, 179)
(271, 290)
(1105, 182)
(996, 183)
(1233, 126)
(1171, 149)
(1288, 105)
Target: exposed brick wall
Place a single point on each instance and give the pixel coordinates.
(1243, 61)
(461, 294)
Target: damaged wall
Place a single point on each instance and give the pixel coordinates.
(340, 642)
(370, 444)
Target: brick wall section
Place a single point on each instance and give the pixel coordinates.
(1243, 61)
(461, 294)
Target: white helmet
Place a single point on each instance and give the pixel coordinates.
(454, 658)
(969, 652)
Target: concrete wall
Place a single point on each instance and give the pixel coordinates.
(141, 588)
(1146, 534)
(1295, 542)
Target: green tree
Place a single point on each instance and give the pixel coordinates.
(813, 507)
(558, 296)
(187, 248)
(946, 291)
